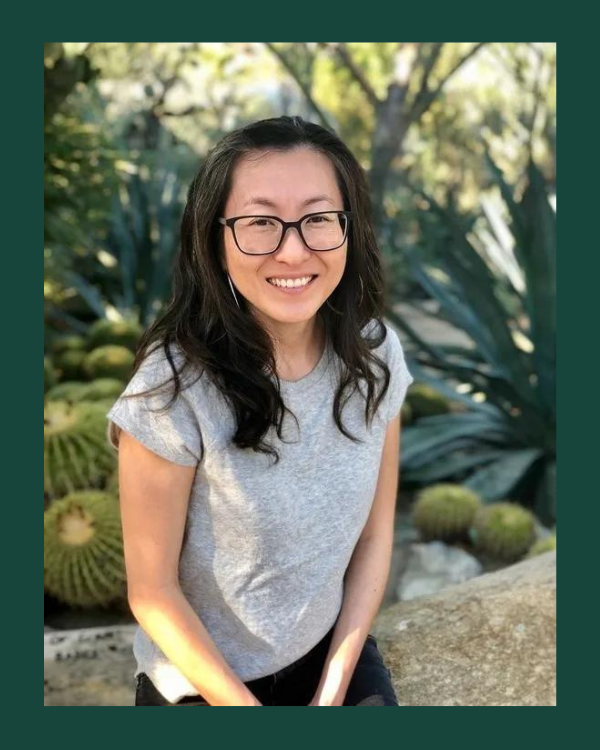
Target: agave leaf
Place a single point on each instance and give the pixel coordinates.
(452, 465)
(495, 482)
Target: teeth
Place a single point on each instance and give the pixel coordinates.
(290, 282)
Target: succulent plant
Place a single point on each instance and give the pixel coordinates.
(425, 401)
(76, 452)
(445, 511)
(120, 332)
(83, 550)
(102, 389)
(503, 530)
(49, 375)
(69, 363)
(542, 545)
(68, 390)
(110, 361)
(71, 342)
(112, 483)
(406, 413)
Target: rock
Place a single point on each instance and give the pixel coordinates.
(433, 566)
(490, 641)
(89, 667)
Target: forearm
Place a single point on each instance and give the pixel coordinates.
(170, 621)
(364, 587)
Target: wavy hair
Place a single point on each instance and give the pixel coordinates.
(225, 341)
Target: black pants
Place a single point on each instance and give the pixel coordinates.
(296, 684)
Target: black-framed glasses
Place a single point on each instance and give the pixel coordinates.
(260, 234)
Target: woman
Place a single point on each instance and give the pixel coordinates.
(258, 501)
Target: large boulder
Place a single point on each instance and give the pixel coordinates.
(490, 641)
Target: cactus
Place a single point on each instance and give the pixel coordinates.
(445, 511)
(110, 361)
(68, 343)
(542, 545)
(49, 375)
(120, 332)
(112, 483)
(69, 364)
(77, 454)
(102, 389)
(503, 530)
(83, 550)
(425, 401)
(68, 390)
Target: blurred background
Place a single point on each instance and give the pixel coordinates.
(459, 143)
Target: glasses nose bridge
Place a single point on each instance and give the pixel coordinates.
(288, 225)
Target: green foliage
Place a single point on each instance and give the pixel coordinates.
(504, 531)
(69, 364)
(49, 375)
(542, 545)
(66, 343)
(68, 390)
(425, 401)
(77, 454)
(110, 361)
(504, 444)
(101, 389)
(445, 511)
(84, 563)
(121, 332)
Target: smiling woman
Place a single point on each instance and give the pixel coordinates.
(237, 566)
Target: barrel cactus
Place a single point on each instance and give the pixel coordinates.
(70, 363)
(542, 545)
(71, 342)
(425, 401)
(83, 550)
(445, 511)
(69, 390)
(77, 454)
(112, 483)
(49, 375)
(110, 361)
(504, 530)
(120, 332)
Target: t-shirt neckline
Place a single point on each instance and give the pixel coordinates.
(308, 380)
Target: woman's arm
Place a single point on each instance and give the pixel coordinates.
(365, 580)
(154, 496)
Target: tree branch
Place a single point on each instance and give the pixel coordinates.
(357, 73)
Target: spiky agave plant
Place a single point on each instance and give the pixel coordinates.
(76, 452)
(83, 550)
(502, 293)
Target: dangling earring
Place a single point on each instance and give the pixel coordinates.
(362, 290)
(233, 290)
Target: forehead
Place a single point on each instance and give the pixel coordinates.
(284, 181)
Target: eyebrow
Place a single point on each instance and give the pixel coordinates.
(259, 201)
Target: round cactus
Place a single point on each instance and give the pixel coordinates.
(425, 401)
(77, 454)
(68, 343)
(542, 545)
(69, 364)
(445, 511)
(68, 390)
(49, 375)
(110, 361)
(102, 389)
(503, 530)
(120, 332)
(83, 550)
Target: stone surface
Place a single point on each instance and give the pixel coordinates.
(490, 641)
(89, 667)
(433, 566)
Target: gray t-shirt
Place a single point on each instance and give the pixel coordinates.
(266, 545)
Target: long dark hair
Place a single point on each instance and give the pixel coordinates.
(225, 341)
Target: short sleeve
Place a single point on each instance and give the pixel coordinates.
(172, 433)
(400, 377)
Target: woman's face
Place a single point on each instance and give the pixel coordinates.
(288, 185)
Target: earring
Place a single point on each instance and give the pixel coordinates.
(362, 289)
(233, 290)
